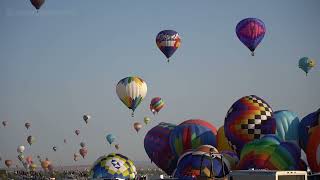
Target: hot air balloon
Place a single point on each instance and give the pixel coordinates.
(313, 150)
(247, 119)
(231, 158)
(20, 149)
(45, 164)
(168, 41)
(307, 126)
(76, 156)
(31, 140)
(33, 166)
(4, 123)
(117, 146)
(8, 163)
(110, 138)
(222, 141)
(306, 64)
(137, 126)
(54, 148)
(131, 91)
(82, 144)
(86, 117)
(21, 157)
(270, 153)
(77, 132)
(65, 141)
(287, 124)
(191, 134)
(50, 167)
(205, 162)
(83, 152)
(146, 120)
(113, 166)
(27, 125)
(29, 159)
(251, 31)
(37, 3)
(156, 105)
(157, 147)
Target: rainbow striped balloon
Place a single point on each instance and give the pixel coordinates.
(156, 105)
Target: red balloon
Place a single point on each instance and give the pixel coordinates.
(83, 152)
(313, 150)
(37, 3)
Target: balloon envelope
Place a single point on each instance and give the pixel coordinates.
(77, 132)
(137, 126)
(146, 120)
(287, 126)
(113, 166)
(131, 91)
(306, 127)
(82, 144)
(4, 123)
(168, 41)
(31, 140)
(83, 152)
(250, 32)
(27, 125)
(37, 3)
(157, 147)
(156, 105)
(270, 153)
(313, 150)
(20, 149)
(8, 163)
(306, 64)
(117, 146)
(110, 138)
(191, 134)
(203, 162)
(86, 117)
(222, 141)
(248, 118)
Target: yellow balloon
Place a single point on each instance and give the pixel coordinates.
(222, 141)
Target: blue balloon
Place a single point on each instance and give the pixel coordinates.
(306, 64)
(287, 124)
(110, 138)
(307, 126)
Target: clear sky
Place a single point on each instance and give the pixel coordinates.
(66, 60)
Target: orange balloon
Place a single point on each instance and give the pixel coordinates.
(222, 141)
(313, 150)
(8, 163)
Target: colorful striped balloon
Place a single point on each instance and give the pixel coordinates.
(156, 105)
(131, 91)
(248, 118)
(270, 153)
(204, 162)
(191, 134)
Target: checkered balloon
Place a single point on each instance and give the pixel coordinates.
(248, 118)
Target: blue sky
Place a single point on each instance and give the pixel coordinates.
(66, 60)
